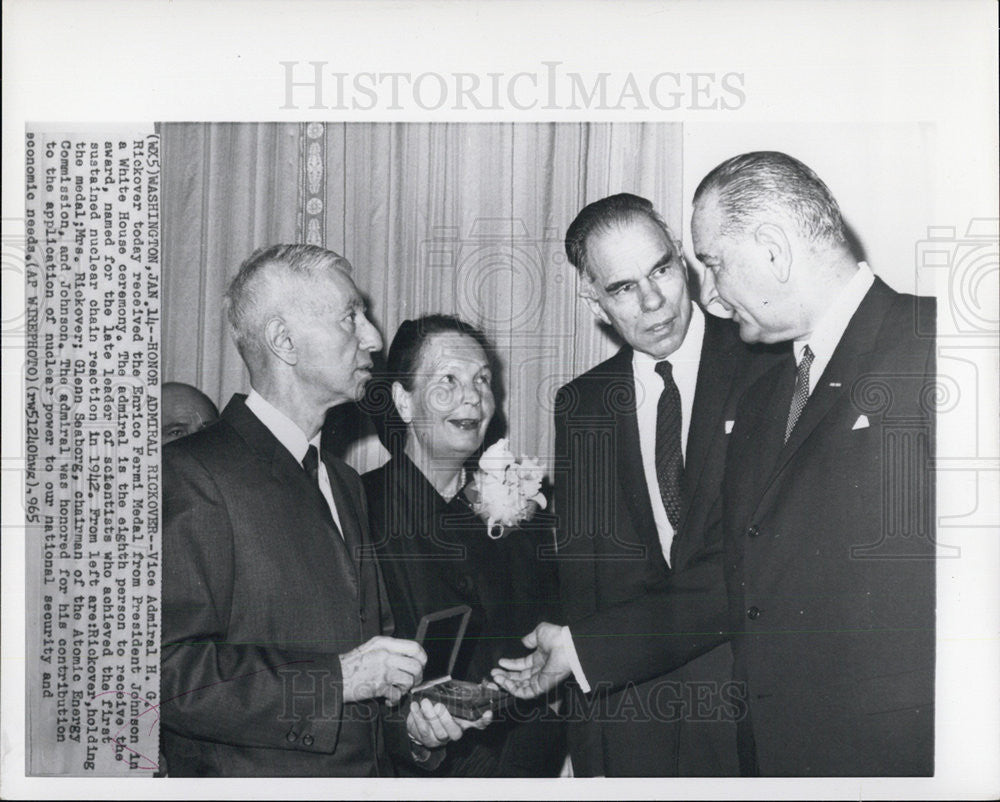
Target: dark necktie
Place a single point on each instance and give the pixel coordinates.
(310, 462)
(669, 456)
(801, 394)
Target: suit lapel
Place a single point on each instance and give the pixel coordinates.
(347, 511)
(849, 359)
(631, 476)
(759, 436)
(717, 378)
(264, 445)
(284, 469)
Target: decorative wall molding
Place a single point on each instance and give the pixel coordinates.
(312, 228)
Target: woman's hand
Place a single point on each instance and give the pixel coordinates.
(431, 725)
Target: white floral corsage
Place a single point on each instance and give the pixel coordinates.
(506, 491)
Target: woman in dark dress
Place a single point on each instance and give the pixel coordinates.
(434, 550)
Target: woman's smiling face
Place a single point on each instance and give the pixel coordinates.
(451, 403)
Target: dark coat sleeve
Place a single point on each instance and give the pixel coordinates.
(654, 634)
(575, 574)
(212, 689)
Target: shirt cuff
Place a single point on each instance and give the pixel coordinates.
(566, 641)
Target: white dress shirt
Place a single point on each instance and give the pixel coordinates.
(294, 440)
(826, 334)
(648, 388)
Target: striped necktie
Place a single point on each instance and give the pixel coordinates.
(801, 394)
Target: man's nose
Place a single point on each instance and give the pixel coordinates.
(371, 340)
(711, 301)
(651, 298)
(709, 292)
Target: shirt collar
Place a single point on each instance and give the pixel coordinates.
(831, 327)
(281, 426)
(689, 351)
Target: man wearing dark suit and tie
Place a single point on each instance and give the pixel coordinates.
(827, 518)
(273, 657)
(640, 444)
(828, 490)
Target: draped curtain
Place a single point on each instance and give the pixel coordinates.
(458, 218)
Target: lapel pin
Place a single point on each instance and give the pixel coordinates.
(729, 426)
(835, 384)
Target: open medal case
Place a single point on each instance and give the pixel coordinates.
(441, 635)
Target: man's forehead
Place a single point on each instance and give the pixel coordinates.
(705, 223)
(706, 210)
(619, 246)
(182, 414)
(336, 285)
(178, 396)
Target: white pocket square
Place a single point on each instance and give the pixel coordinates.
(860, 423)
(729, 426)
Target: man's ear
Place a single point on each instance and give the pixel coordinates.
(773, 240)
(278, 340)
(403, 401)
(588, 292)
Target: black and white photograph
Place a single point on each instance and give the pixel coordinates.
(598, 427)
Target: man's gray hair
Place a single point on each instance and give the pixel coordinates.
(264, 280)
(752, 185)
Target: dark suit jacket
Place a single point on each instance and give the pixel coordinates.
(260, 595)
(663, 722)
(829, 555)
(435, 555)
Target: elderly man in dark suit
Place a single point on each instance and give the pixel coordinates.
(828, 490)
(641, 440)
(274, 660)
(827, 516)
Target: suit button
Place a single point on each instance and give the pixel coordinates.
(291, 736)
(465, 584)
(307, 740)
(753, 613)
(753, 531)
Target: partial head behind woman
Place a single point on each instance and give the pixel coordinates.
(440, 376)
